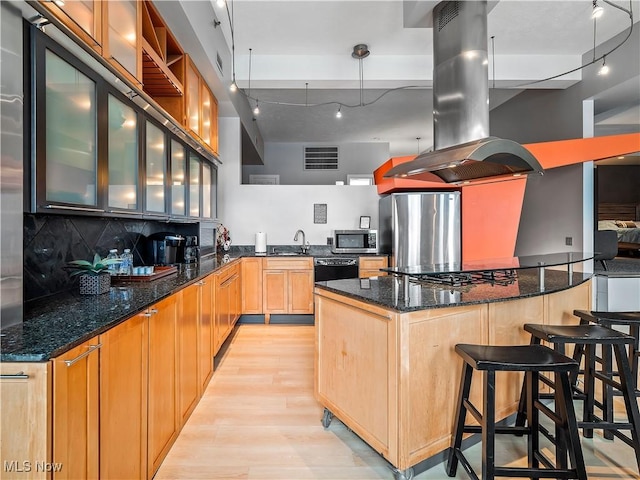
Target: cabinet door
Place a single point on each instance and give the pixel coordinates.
(81, 17)
(155, 168)
(207, 190)
(192, 94)
(205, 113)
(194, 185)
(75, 412)
(205, 333)
(178, 178)
(370, 266)
(275, 291)
(25, 436)
(163, 413)
(251, 285)
(235, 300)
(187, 350)
(123, 29)
(123, 399)
(123, 156)
(300, 291)
(70, 130)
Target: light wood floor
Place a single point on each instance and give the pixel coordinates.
(258, 420)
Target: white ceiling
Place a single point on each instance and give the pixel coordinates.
(301, 53)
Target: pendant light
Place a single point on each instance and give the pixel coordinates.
(597, 10)
(604, 69)
(339, 113)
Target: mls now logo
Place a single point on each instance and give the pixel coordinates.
(28, 466)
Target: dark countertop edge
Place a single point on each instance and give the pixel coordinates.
(613, 274)
(45, 357)
(322, 286)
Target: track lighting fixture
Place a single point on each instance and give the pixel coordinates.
(597, 10)
(221, 3)
(256, 111)
(59, 3)
(233, 87)
(339, 113)
(604, 69)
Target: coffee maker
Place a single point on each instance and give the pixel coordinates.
(191, 250)
(166, 248)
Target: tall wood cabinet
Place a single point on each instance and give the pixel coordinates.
(163, 412)
(75, 412)
(188, 385)
(227, 303)
(251, 285)
(205, 333)
(123, 399)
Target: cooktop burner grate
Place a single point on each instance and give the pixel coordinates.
(493, 277)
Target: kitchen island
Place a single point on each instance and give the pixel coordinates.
(385, 363)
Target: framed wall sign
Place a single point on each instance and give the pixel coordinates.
(365, 222)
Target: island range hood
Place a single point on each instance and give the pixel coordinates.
(463, 148)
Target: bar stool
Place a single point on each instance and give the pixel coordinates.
(586, 338)
(531, 359)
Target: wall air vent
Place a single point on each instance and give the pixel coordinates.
(321, 158)
(219, 62)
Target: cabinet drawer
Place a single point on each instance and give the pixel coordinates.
(288, 263)
(373, 263)
(228, 271)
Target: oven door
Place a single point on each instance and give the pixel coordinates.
(335, 269)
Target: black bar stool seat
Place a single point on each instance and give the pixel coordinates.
(531, 359)
(586, 338)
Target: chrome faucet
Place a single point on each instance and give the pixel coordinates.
(305, 245)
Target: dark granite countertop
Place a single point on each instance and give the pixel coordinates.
(388, 292)
(58, 324)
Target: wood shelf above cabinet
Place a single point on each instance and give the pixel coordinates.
(162, 69)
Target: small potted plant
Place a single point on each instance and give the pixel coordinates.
(94, 276)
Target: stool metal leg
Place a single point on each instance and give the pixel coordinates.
(461, 414)
(589, 387)
(533, 418)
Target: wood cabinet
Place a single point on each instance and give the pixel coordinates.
(227, 303)
(123, 399)
(83, 19)
(163, 425)
(122, 34)
(201, 107)
(75, 412)
(370, 266)
(188, 384)
(287, 286)
(205, 333)
(25, 433)
(251, 285)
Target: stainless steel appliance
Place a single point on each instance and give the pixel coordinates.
(420, 228)
(11, 164)
(355, 241)
(165, 248)
(463, 148)
(190, 252)
(335, 268)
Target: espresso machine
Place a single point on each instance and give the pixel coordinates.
(191, 251)
(166, 248)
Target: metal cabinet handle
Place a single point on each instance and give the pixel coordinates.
(75, 209)
(19, 375)
(202, 282)
(149, 312)
(81, 356)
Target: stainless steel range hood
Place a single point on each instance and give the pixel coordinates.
(463, 148)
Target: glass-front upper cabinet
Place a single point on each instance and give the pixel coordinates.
(178, 178)
(205, 131)
(194, 185)
(69, 124)
(123, 156)
(83, 17)
(206, 190)
(155, 160)
(123, 31)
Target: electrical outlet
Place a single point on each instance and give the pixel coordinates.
(329, 241)
(568, 241)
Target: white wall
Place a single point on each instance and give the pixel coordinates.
(280, 210)
(286, 160)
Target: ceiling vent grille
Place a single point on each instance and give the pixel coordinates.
(219, 62)
(321, 158)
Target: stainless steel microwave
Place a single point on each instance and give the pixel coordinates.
(355, 241)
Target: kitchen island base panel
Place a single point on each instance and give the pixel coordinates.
(404, 409)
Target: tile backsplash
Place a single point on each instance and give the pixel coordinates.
(50, 241)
